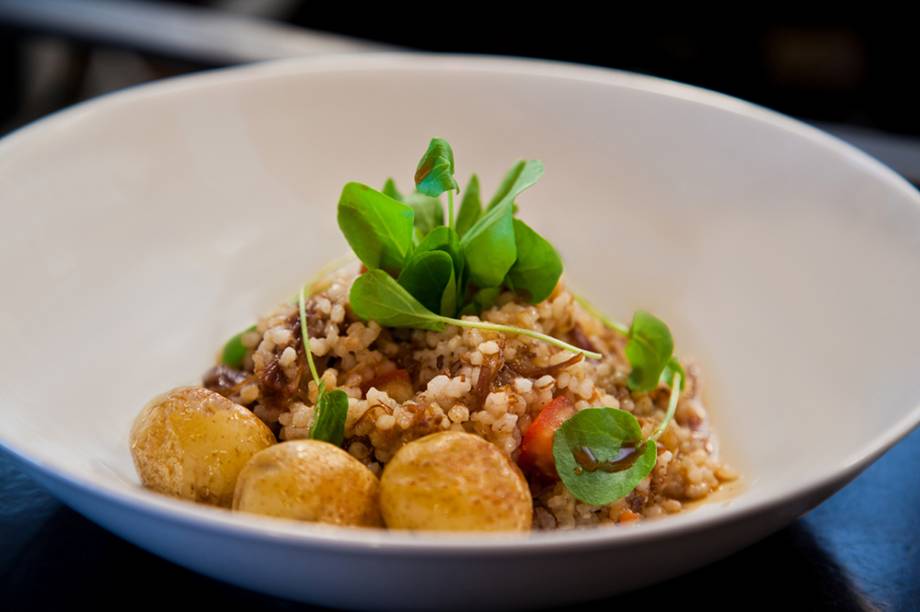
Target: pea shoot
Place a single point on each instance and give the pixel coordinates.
(424, 271)
(331, 407)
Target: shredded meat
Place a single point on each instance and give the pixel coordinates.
(224, 380)
(529, 371)
(276, 389)
(582, 341)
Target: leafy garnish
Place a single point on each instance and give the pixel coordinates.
(378, 228)
(538, 266)
(234, 352)
(489, 247)
(377, 297)
(677, 384)
(389, 189)
(435, 172)
(600, 456)
(470, 206)
(524, 174)
(672, 370)
(329, 417)
(648, 349)
(489, 244)
(429, 213)
(484, 299)
(331, 407)
(428, 276)
(443, 238)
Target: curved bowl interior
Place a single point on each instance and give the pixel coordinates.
(142, 230)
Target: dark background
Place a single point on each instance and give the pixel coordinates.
(858, 551)
(852, 74)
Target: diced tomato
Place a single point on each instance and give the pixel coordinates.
(395, 383)
(537, 444)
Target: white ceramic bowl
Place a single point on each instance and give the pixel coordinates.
(140, 230)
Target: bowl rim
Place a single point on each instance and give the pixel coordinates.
(251, 527)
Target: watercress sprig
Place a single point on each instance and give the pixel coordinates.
(331, 407)
(458, 267)
(376, 296)
(649, 348)
(600, 455)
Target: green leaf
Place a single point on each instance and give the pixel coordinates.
(648, 349)
(538, 266)
(375, 296)
(489, 247)
(602, 433)
(482, 300)
(389, 189)
(523, 175)
(450, 296)
(329, 417)
(429, 213)
(234, 352)
(426, 276)
(442, 238)
(435, 172)
(378, 228)
(470, 206)
(673, 367)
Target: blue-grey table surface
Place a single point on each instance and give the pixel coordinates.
(859, 550)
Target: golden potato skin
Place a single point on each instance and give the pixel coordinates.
(192, 443)
(454, 481)
(309, 480)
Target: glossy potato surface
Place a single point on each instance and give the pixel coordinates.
(454, 481)
(309, 480)
(192, 443)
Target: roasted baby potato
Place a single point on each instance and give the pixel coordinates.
(192, 443)
(309, 480)
(454, 481)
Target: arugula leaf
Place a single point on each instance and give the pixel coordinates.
(389, 189)
(375, 296)
(470, 206)
(329, 417)
(378, 228)
(602, 434)
(538, 266)
(429, 213)
(234, 352)
(435, 172)
(648, 350)
(489, 246)
(523, 175)
(426, 276)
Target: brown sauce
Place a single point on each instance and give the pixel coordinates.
(626, 457)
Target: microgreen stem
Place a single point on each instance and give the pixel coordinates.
(302, 302)
(519, 331)
(450, 209)
(672, 406)
(615, 326)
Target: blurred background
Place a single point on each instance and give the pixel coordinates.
(852, 79)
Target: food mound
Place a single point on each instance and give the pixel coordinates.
(448, 380)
